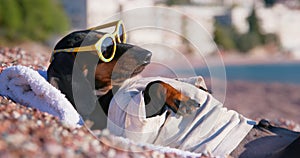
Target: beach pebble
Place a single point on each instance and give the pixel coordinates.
(105, 132)
(156, 154)
(16, 115)
(54, 149)
(23, 117)
(15, 139)
(111, 153)
(30, 146)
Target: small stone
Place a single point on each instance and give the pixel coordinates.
(135, 148)
(16, 115)
(85, 146)
(69, 153)
(39, 122)
(65, 133)
(6, 114)
(74, 132)
(23, 127)
(156, 154)
(81, 133)
(30, 146)
(54, 149)
(98, 149)
(111, 153)
(105, 132)
(15, 139)
(95, 143)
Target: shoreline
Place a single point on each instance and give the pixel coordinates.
(240, 59)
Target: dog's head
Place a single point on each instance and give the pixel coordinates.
(129, 60)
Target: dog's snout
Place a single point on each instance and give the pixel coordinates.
(143, 56)
(140, 55)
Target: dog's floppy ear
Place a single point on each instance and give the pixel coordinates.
(66, 73)
(68, 77)
(83, 86)
(60, 74)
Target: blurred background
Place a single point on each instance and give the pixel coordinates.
(257, 41)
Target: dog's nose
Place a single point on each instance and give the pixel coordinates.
(142, 55)
(147, 56)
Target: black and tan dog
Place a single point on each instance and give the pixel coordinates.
(95, 81)
(87, 82)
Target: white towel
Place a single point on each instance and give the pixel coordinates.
(26, 86)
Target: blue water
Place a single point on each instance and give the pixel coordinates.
(282, 73)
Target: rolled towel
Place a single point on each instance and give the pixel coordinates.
(26, 86)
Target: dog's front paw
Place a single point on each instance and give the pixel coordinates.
(187, 107)
(159, 94)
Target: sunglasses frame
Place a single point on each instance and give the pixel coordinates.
(115, 33)
(97, 46)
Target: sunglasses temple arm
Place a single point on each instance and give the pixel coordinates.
(76, 49)
(104, 26)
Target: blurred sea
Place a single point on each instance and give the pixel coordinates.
(280, 73)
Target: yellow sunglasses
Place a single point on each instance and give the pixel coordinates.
(103, 45)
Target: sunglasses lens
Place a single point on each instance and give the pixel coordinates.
(121, 33)
(107, 47)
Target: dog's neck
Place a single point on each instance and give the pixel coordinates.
(102, 90)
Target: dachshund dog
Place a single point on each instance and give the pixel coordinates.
(107, 77)
(87, 82)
